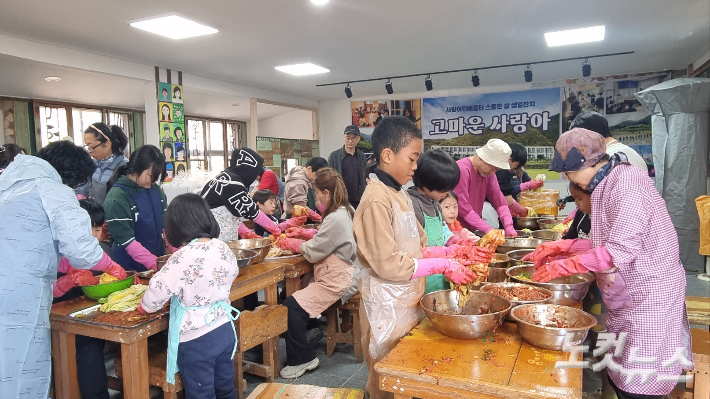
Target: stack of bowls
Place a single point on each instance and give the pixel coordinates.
(565, 290)
(511, 244)
(516, 302)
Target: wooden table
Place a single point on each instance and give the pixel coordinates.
(292, 391)
(295, 268)
(134, 340)
(430, 365)
(698, 310)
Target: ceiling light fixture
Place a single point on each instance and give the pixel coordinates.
(302, 69)
(475, 80)
(174, 27)
(586, 68)
(388, 87)
(428, 84)
(348, 91)
(575, 36)
(528, 74)
(52, 78)
(319, 2)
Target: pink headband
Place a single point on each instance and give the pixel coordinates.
(100, 132)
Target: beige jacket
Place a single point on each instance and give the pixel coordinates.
(372, 225)
(296, 191)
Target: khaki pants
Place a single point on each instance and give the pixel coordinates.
(373, 380)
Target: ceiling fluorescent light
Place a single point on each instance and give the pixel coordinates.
(174, 27)
(302, 69)
(575, 36)
(319, 2)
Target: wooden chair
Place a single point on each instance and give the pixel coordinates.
(254, 328)
(347, 331)
(699, 386)
(157, 360)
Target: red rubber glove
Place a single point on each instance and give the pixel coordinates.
(293, 222)
(246, 233)
(313, 215)
(531, 185)
(558, 268)
(510, 231)
(554, 250)
(117, 271)
(300, 232)
(63, 285)
(466, 233)
(438, 252)
(482, 255)
(84, 277)
(518, 210)
(141, 310)
(290, 244)
(450, 269)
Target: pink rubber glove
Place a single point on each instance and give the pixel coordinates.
(466, 233)
(549, 251)
(269, 225)
(531, 185)
(80, 196)
(293, 222)
(65, 266)
(510, 231)
(518, 210)
(63, 285)
(570, 217)
(117, 271)
(290, 244)
(105, 262)
(320, 208)
(451, 270)
(141, 255)
(170, 247)
(558, 268)
(454, 240)
(597, 259)
(245, 233)
(300, 232)
(437, 252)
(313, 215)
(141, 310)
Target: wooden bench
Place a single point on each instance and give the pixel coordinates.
(347, 331)
(699, 386)
(157, 360)
(291, 391)
(254, 328)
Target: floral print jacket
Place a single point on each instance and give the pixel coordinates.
(199, 275)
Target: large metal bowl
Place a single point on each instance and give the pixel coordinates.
(549, 223)
(565, 290)
(511, 244)
(481, 315)
(517, 302)
(497, 268)
(532, 318)
(260, 245)
(245, 257)
(517, 255)
(525, 223)
(547, 235)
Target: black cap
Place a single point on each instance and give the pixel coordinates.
(352, 129)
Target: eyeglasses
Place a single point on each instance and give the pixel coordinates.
(353, 139)
(91, 149)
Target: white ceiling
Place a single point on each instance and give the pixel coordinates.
(359, 39)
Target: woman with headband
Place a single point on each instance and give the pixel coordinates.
(105, 144)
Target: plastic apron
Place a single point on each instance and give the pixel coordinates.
(393, 307)
(148, 228)
(176, 313)
(434, 229)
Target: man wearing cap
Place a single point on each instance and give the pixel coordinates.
(350, 163)
(478, 183)
(635, 256)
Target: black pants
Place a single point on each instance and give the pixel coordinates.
(90, 367)
(298, 350)
(628, 395)
(206, 365)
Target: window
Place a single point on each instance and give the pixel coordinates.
(122, 119)
(53, 124)
(82, 119)
(196, 132)
(215, 146)
(212, 141)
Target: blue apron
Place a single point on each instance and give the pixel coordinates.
(148, 228)
(176, 313)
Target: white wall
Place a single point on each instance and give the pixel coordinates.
(291, 125)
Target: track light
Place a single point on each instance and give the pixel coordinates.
(586, 68)
(388, 87)
(428, 84)
(475, 80)
(348, 91)
(528, 74)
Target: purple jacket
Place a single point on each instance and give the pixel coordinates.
(473, 190)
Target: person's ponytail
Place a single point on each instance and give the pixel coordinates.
(119, 140)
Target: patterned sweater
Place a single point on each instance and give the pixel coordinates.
(198, 274)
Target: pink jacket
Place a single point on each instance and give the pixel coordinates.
(472, 190)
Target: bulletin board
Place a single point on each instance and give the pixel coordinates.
(275, 150)
(171, 120)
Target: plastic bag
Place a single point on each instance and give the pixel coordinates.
(703, 205)
(544, 202)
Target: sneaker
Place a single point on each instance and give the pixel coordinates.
(291, 372)
(314, 335)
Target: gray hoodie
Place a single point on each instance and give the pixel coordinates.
(423, 205)
(296, 191)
